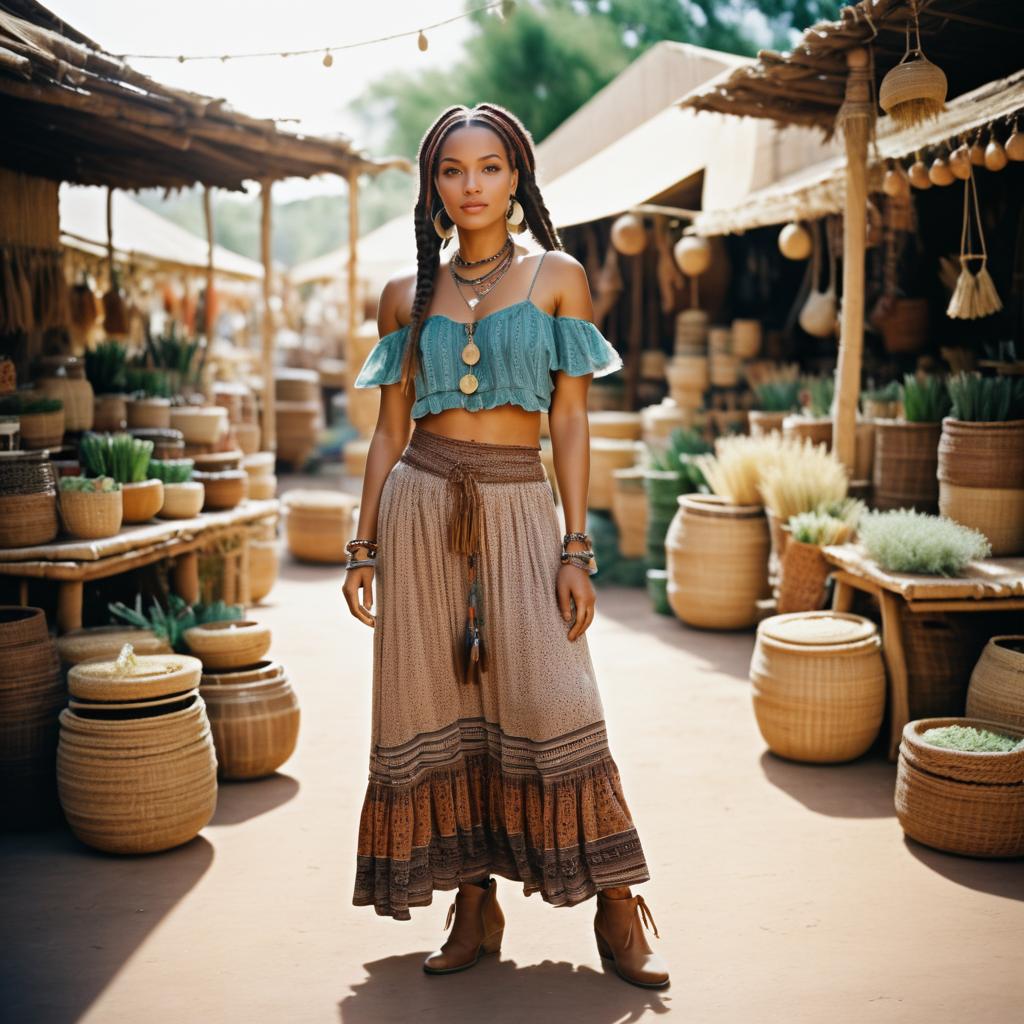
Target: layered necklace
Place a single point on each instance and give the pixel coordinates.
(481, 286)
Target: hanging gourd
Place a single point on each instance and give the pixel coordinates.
(795, 242)
(975, 293)
(629, 236)
(960, 162)
(1015, 143)
(918, 174)
(939, 173)
(995, 156)
(896, 185)
(915, 89)
(977, 151)
(692, 255)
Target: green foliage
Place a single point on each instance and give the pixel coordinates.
(105, 366)
(121, 456)
(90, 485)
(817, 394)
(925, 399)
(905, 541)
(678, 457)
(778, 395)
(171, 623)
(145, 382)
(19, 405)
(887, 393)
(986, 399)
(174, 354)
(968, 738)
(834, 523)
(172, 471)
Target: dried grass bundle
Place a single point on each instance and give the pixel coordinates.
(975, 293)
(734, 471)
(801, 477)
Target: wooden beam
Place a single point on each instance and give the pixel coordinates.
(208, 218)
(269, 425)
(354, 313)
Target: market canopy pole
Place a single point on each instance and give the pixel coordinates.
(208, 305)
(855, 119)
(269, 426)
(353, 248)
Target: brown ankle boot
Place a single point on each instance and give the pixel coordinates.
(479, 926)
(619, 929)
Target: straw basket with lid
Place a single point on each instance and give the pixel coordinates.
(717, 557)
(318, 524)
(996, 690)
(818, 685)
(136, 768)
(231, 644)
(965, 802)
(254, 715)
(106, 642)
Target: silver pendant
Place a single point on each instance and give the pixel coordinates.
(472, 303)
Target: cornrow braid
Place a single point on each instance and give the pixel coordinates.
(518, 145)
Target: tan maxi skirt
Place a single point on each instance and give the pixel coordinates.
(510, 775)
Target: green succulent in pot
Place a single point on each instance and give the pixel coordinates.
(977, 399)
(925, 399)
(121, 456)
(172, 471)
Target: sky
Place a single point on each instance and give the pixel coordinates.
(295, 87)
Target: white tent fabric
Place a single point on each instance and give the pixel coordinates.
(141, 234)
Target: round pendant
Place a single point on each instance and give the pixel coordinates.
(468, 384)
(471, 354)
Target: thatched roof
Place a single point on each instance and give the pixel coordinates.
(73, 112)
(973, 41)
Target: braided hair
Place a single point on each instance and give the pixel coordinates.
(518, 145)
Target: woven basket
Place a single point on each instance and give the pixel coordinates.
(816, 430)
(691, 329)
(864, 450)
(746, 338)
(149, 413)
(717, 557)
(200, 424)
(26, 473)
(137, 784)
(263, 568)
(996, 690)
(255, 725)
(624, 426)
(106, 642)
(997, 512)
(818, 685)
(42, 429)
(151, 676)
(260, 671)
(719, 340)
(230, 644)
(607, 455)
(182, 500)
(141, 501)
(940, 650)
(91, 515)
(259, 464)
(763, 423)
(687, 374)
(110, 413)
(262, 488)
(298, 424)
(725, 369)
(803, 572)
(247, 437)
(629, 510)
(223, 490)
(966, 803)
(903, 325)
(27, 519)
(295, 385)
(78, 399)
(219, 462)
(167, 443)
(906, 459)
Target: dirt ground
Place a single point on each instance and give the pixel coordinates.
(782, 892)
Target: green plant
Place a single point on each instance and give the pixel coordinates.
(171, 471)
(121, 456)
(174, 354)
(817, 394)
(777, 395)
(171, 623)
(818, 528)
(887, 393)
(906, 541)
(968, 738)
(105, 367)
(147, 382)
(90, 485)
(986, 399)
(20, 405)
(925, 399)
(679, 457)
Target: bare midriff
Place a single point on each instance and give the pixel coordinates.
(505, 424)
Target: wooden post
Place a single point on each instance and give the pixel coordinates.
(636, 326)
(855, 117)
(354, 313)
(208, 217)
(269, 426)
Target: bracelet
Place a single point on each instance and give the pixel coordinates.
(358, 563)
(585, 537)
(353, 545)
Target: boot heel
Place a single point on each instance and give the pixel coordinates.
(492, 944)
(602, 947)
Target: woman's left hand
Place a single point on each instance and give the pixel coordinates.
(575, 583)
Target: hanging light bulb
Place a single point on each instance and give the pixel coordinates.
(328, 59)
(421, 41)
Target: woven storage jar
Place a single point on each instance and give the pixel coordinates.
(27, 519)
(182, 500)
(318, 525)
(229, 644)
(263, 568)
(223, 490)
(606, 455)
(763, 423)
(167, 443)
(996, 690)
(939, 650)
(91, 514)
(803, 572)
(32, 693)
(906, 459)
(818, 430)
(623, 426)
(629, 510)
(42, 429)
(976, 462)
(958, 801)
(719, 340)
(106, 642)
(297, 426)
(255, 723)
(77, 396)
(141, 501)
(818, 685)
(219, 462)
(149, 413)
(355, 454)
(717, 559)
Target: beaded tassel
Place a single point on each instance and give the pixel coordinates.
(474, 655)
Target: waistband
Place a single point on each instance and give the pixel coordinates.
(487, 463)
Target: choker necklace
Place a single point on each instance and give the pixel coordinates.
(460, 262)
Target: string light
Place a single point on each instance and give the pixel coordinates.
(502, 9)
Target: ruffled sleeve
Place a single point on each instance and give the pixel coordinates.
(384, 363)
(581, 348)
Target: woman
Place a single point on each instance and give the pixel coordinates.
(489, 750)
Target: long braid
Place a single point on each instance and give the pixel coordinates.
(519, 147)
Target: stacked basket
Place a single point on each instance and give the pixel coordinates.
(318, 525)
(262, 481)
(298, 414)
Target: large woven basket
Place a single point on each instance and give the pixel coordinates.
(223, 490)
(816, 430)
(296, 385)
(110, 413)
(629, 510)
(149, 413)
(77, 396)
(717, 559)
(91, 514)
(996, 690)
(318, 524)
(229, 644)
(818, 685)
(940, 650)
(906, 459)
(42, 429)
(803, 573)
(27, 519)
(961, 802)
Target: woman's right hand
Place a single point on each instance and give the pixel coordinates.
(357, 580)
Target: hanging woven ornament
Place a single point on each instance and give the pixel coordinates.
(975, 293)
(915, 89)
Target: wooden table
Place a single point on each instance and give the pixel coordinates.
(995, 584)
(73, 563)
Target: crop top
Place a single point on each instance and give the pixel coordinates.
(520, 347)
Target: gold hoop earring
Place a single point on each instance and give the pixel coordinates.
(444, 233)
(515, 215)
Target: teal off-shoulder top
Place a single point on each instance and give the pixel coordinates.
(520, 347)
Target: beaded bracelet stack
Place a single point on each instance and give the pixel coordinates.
(357, 563)
(580, 559)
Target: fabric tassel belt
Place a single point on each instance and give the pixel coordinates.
(465, 464)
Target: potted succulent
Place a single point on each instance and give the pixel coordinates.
(882, 403)
(981, 458)
(906, 450)
(41, 419)
(183, 496)
(126, 459)
(814, 421)
(150, 404)
(90, 508)
(774, 399)
(803, 570)
(105, 370)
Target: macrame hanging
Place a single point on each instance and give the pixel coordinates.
(915, 89)
(975, 293)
